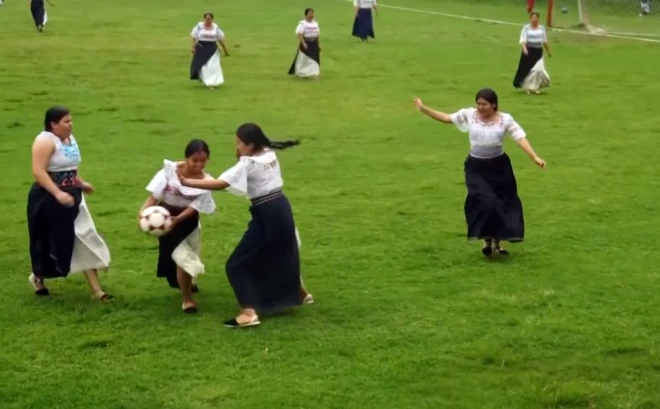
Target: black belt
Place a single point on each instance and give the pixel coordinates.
(267, 198)
(65, 178)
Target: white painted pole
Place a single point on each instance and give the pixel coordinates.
(580, 13)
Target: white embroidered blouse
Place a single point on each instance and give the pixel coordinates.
(487, 139)
(254, 176)
(308, 29)
(166, 187)
(533, 37)
(201, 33)
(365, 4)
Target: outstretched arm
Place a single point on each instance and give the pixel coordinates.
(527, 148)
(519, 135)
(208, 184)
(437, 115)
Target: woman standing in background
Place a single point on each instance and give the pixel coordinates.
(63, 238)
(39, 15)
(363, 25)
(532, 75)
(205, 65)
(307, 63)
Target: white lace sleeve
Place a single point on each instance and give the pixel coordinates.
(462, 119)
(237, 177)
(204, 203)
(195, 32)
(523, 35)
(513, 129)
(301, 28)
(220, 34)
(158, 184)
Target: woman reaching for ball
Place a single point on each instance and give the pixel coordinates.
(63, 238)
(179, 247)
(493, 210)
(264, 269)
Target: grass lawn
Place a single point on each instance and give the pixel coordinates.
(407, 313)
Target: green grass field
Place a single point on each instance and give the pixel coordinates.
(407, 313)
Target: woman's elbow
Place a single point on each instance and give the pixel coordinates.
(37, 173)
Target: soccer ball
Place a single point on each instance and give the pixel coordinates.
(155, 220)
(564, 9)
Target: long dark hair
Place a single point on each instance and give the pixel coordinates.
(209, 14)
(307, 10)
(196, 146)
(55, 114)
(251, 133)
(489, 96)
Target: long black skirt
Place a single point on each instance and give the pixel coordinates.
(38, 12)
(204, 50)
(169, 242)
(492, 206)
(312, 53)
(526, 64)
(52, 232)
(363, 25)
(264, 269)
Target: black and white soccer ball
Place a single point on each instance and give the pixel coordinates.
(155, 220)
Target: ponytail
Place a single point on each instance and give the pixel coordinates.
(251, 133)
(281, 145)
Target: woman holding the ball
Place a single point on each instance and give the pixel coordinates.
(531, 74)
(493, 210)
(63, 238)
(264, 269)
(179, 247)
